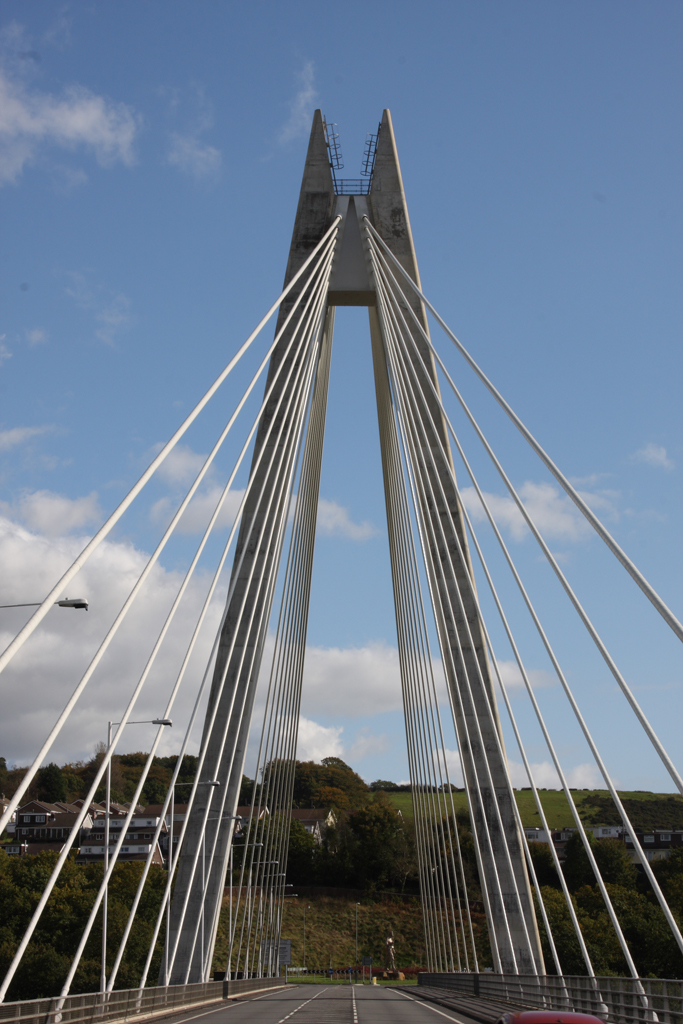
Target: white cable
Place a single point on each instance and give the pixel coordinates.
(74, 832)
(203, 753)
(511, 873)
(26, 781)
(582, 723)
(214, 516)
(447, 654)
(85, 554)
(208, 873)
(558, 572)
(608, 904)
(611, 543)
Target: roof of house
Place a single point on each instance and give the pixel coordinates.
(39, 806)
(311, 813)
(154, 810)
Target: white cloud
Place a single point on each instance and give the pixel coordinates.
(187, 152)
(76, 118)
(581, 776)
(512, 677)
(653, 455)
(4, 351)
(196, 517)
(301, 106)
(366, 744)
(37, 336)
(42, 676)
(352, 681)
(193, 157)
(18, 435)
(180, 466)
(110, 309)
(334, 521)
(112, 317)
(53, 514)
(555, 515)
(317, 741)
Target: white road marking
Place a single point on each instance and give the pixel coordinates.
(300, 1007)
(355, 1010)
(224, 1006)
(428, 1006)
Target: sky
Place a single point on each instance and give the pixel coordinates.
(150, 161)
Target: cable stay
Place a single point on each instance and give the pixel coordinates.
(350, 248)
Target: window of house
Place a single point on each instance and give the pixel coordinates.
(40, 817)
(124, 849)
(648, 839)
(24, 831)
(665, 837)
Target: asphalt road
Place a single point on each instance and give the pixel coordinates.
(325, 1004)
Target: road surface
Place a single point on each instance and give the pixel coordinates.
(325, 1004)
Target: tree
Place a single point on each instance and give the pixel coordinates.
(300, 853)
(612, 859)
(544, 866)
(50, 784)
(313, 782)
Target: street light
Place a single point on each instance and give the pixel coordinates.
(107, 815)
(357, 906)
(66, 602)
(305, 909)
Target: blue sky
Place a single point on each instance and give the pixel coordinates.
(150, 166)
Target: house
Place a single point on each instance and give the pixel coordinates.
(315, 820)
(139, 839)
(179, 815)
(44, 826)
(656, 843)
(608, 831)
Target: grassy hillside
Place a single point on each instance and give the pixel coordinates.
(331, 931)
(647, 810)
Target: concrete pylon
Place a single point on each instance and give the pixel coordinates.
(509, 907)
(501, 860)
(260, 565)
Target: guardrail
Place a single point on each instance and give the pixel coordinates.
(616, 1000)
(127, 1004)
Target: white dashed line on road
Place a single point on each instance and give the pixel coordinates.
(428, 1006)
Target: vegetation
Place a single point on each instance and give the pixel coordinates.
(50, 952)
(646, 810)
(73, 780)
(369, 852)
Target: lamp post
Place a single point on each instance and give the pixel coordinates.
(357, 906)
(66, 602)
(107, 815)
(305, 909)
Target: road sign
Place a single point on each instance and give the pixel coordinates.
(366, 961)
(283, 950)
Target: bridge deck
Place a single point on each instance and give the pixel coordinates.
(331, 1004)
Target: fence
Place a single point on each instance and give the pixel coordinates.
(127, 1004)
(616, 1000)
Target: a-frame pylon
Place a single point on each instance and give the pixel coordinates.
(198, 893)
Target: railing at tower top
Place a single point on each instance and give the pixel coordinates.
(615, 1000)
(351, 186)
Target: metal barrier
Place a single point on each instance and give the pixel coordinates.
(127, 1004)
(616, 1000)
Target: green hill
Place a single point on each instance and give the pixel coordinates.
(646, 810)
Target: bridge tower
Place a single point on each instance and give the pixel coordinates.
(197, 899)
